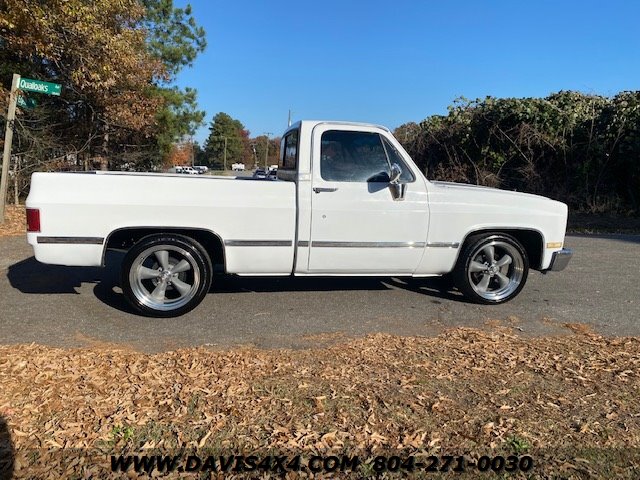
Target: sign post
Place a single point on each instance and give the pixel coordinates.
(8, 138)
(28, 85)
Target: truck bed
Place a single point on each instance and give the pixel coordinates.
(81, 210)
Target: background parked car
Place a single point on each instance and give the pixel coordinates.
(260, 173)
(237, 167)
(201, 169)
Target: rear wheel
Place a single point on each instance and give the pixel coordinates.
(166, 275)
(491, 269)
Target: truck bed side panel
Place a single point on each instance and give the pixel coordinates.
(255, 219)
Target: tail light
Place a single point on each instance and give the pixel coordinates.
(33, 220)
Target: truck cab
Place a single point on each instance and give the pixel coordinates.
(351, 217)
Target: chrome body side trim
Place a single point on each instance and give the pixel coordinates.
(258, 243)
(443, 244)
(72, 240)
(327, 244)
(303, 243)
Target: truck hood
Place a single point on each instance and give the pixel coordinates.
(464, 187)
(476, 199)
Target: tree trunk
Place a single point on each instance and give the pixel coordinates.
(105, 164)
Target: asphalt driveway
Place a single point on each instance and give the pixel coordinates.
(78, 306)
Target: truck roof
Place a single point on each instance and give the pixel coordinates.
(313, 123)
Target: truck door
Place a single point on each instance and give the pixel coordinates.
(356, 225)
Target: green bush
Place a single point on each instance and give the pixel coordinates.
(578, 148)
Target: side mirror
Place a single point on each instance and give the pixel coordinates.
(397, 189)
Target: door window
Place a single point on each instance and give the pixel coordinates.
(347, 156)
(353, 157)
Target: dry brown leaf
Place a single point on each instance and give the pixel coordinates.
(423, 395)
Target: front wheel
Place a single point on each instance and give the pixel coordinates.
(491, 269)
(166, 275)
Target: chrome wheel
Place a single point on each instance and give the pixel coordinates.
(496, 270)
(164, 277)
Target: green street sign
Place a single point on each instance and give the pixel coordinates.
(38, 86)
(26, 102)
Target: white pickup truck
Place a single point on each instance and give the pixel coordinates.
(348, 200)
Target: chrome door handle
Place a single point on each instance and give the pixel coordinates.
(324, 189)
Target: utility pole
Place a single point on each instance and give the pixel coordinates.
(193, 155)
(8, 139)
(255, 156)
(266, 152)
(225, 154)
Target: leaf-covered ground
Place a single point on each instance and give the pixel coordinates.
(15, 222)
(571, 402)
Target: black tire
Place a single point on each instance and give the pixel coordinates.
(446, 282)
(491, 282)
(166, 275)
